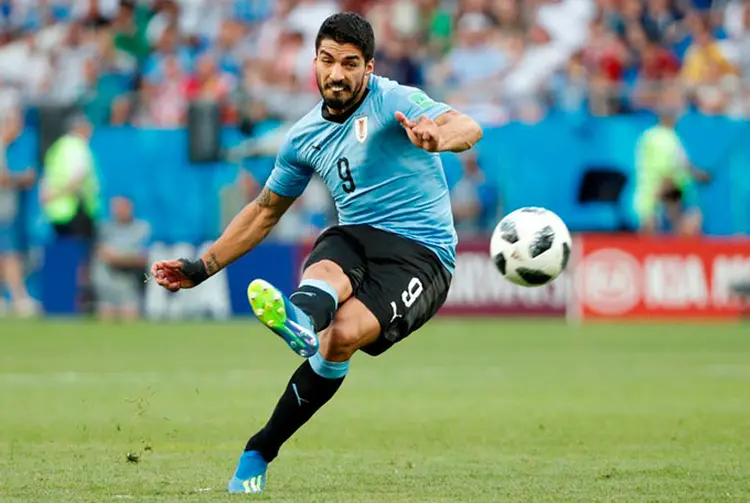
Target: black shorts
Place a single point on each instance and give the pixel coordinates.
(400, 281)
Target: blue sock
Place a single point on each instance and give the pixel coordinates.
(317, 299)
(329, 370)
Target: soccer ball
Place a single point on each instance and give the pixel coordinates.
(530, 246)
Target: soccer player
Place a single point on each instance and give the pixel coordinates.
(386, 268)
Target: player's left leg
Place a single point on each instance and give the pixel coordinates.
(312, 385)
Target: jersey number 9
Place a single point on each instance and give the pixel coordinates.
(345, 174)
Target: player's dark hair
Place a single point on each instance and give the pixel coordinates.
(348, 28)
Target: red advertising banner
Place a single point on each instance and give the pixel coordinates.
(658, 277)
(478, 289)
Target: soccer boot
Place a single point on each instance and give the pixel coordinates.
(286, 320)
(250, 476)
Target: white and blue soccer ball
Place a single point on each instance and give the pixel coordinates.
(531, 246)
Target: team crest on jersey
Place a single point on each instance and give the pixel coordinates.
(360, 128)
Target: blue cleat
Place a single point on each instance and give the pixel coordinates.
(286, 320)
(250, 476)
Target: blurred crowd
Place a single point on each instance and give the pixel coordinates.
(141, 61)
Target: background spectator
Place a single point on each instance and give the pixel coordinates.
(70, 184)
(140, 63)
(666, 200)
(70, 195)
(11, 265)
(475, 201)
(119, 264)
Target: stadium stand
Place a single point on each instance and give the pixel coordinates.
(591, 72)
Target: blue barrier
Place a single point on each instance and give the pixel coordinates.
(276, 263)
(58, 283)
(539, 164)
(58, 278)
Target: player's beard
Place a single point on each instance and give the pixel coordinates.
(341, 105)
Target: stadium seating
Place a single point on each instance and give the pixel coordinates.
(533, 165)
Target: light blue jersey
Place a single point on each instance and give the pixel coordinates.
(376, 175)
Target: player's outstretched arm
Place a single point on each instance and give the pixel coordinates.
(451, 132)
(246, 230)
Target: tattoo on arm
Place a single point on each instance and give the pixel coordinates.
(264, 199)
(212, 264)
(269, 200)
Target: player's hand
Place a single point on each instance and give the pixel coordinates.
(171, 275)
(423, 132)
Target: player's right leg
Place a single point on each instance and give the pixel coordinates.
(330, 276)
(308, 310)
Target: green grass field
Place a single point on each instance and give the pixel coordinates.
(477, 411)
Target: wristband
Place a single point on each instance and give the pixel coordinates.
(195, 270)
